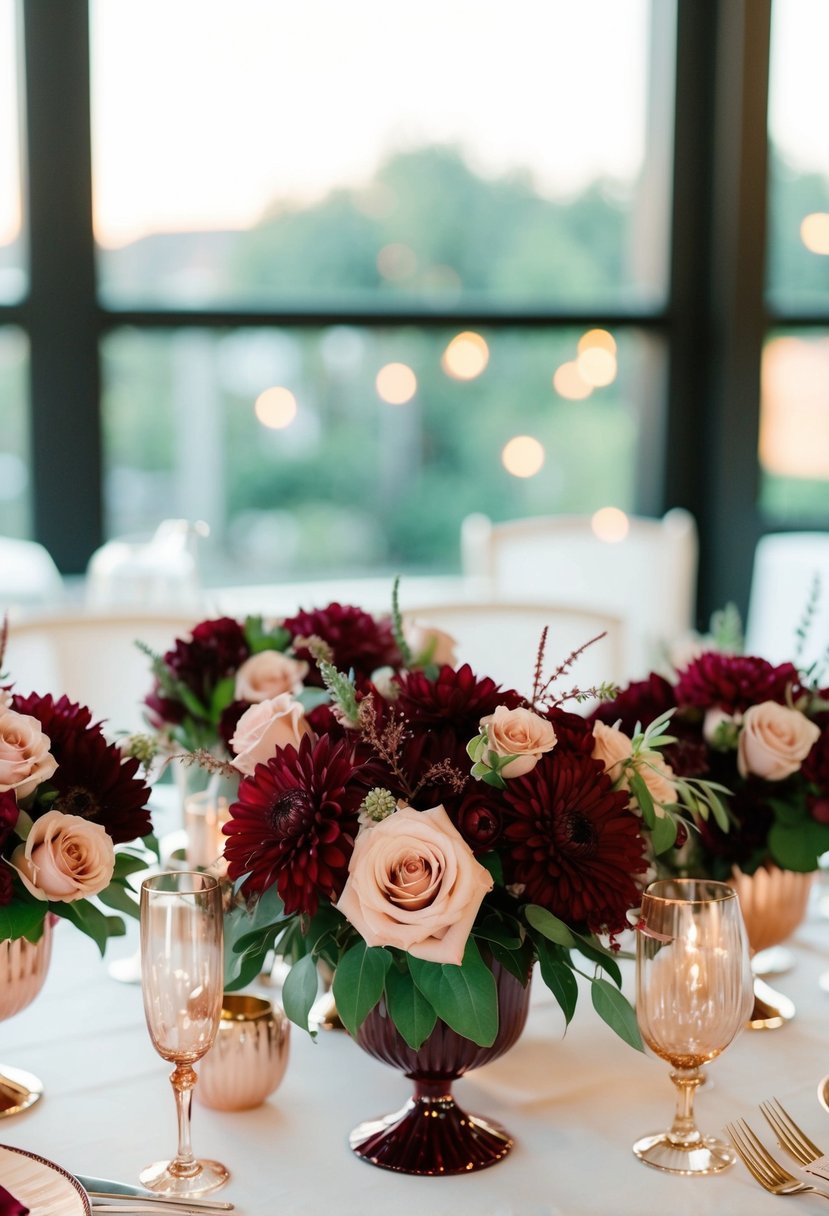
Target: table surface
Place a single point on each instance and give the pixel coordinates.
(574, 1103)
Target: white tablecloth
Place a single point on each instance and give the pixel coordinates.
(574, 1105)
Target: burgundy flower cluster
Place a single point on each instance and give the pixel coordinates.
(762, 732)
(561, 836)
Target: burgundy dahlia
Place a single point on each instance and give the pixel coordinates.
(641, 702)
(216, 649)
(456, 696)
(358, 642)
(9, 813)
(734, 682)
(92, 779)
(572, 843)
(294, 824)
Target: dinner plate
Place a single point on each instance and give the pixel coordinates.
(45, 1188)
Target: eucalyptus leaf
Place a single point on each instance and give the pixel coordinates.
(300, 990)
(516, 961)
(643, 796)
(559, 978)
(663, 834)
(616, 1011)
(23, 918)
(129, 863)
(358, 983)
(89, 919)
(798, 848)
(549, 926)
(464, 997)
(121, 898)
(408, 1008)
(598, 954)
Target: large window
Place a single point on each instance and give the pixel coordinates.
(332, 276)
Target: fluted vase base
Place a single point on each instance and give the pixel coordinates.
(431, 1135)
(18, 1090)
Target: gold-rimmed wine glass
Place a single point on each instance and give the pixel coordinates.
(693, 994)
(182, 981)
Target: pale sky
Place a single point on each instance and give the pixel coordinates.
(207, 110)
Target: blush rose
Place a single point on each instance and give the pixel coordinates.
(65, 858)
(267, 675)
(413, 882)
(615, 750)
(520, 734)
(278, 722)
(25, 759)
(774, 741)
(430, 645)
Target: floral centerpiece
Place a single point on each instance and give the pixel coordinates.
(757, 732)
(68, 797)
(429, 831)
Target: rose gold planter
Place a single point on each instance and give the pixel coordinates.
(249, 1057)
(773, 903)
(23, 969)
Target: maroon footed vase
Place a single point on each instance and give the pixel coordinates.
(432, 1134)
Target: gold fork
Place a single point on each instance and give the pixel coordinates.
(790, 1136)
(759, 1162)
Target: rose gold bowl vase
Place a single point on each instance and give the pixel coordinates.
(431, 1134)
(23, 968)
(773, 903)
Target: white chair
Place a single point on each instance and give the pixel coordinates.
(786, 567)
(92, 658)
(647, 577)
(501, 640)
(28, 576)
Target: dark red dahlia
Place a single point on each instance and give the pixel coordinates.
(456, 696)
(642, 701)
(60, 720)
(359, 642)
(92, 779)
(294, 824)
(734, 682)
(572, 843)
(573, 733)
(815, 767)
(9, 813)
(6, 885)
(478, 817)
(216, 649)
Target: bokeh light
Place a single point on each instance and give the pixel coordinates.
(597, 357)
(276, 407)
(522, 456)
(466, 356)
(396, 261)
(396, 383)
(569, 382)
(610, 524)
(814, 232)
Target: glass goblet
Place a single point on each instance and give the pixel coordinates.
(693, 995)
(181, 977)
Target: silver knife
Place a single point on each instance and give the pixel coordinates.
(106, 1188)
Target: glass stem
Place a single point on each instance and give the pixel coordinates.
(182, 1080)
(684, 1130)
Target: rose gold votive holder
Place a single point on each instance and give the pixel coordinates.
(249, 1057)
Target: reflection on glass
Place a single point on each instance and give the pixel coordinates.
(794, 426)
(197, 427)
(481, 175)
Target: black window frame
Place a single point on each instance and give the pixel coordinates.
(713, 324)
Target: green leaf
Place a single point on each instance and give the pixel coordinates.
(617, 1012)
(597, 954)
(242, 967)
(358, 983)
(127, 863)
(559, 978)
(516, 960)
(494, 928)
(464, 997)
(411, 1013)
(300, 990)
(222, 696)
(23, 918)
(90, 920)
(798, 848)
(120, 897)
(258, 638)
(663, 834)
(643, 796)
(549, 926)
